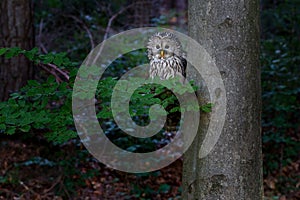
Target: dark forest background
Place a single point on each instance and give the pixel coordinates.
(41, 156)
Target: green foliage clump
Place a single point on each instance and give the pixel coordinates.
(59, 59)
(39, 106)
(45, 106)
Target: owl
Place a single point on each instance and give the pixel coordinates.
(166, 57)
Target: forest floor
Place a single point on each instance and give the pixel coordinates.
(31, 169)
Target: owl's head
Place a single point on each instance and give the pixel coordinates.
(163, 45)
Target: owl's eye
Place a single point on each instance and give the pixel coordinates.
(157, 46)
(167, 46)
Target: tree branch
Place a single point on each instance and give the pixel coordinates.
(58, 79)
(85, 27)
(64, 74)
(113, 18)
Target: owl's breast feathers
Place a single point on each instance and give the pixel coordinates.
(168, 68)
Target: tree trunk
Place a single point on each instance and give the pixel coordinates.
(229, 31)
(16, 22)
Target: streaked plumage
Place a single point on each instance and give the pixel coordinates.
(166, 56)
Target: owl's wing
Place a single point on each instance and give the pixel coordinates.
(184, 65)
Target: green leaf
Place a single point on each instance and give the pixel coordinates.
(2, 127)
(11, 130)
(26, 119)
(25, 128)
(58, 60)
(3, 51)
(32, 53)
(207, 108)
(12, 52)
(15, 95)
(175, 109)
(51, 79)
(48, 58)
(33, 83)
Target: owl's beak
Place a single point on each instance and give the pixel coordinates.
(162, 53)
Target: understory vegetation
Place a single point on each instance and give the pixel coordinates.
(39, 142)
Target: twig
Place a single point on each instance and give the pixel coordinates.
(84, 26)
(55, 68)
(92, 60)
(28, 189)
(113, 18)
(58, 180)
(7, 169)
(65, 74)
(66, 191)
(42, 47)
(58, 79)
(44, 50)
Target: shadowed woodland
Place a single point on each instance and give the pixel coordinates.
(42, 156)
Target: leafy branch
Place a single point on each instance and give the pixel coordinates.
(50, 62)
(46, 106)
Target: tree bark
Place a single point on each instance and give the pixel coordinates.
(229, 31)
(16, 22)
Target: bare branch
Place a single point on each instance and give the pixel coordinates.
(65, 74)
(113, 18)
(55, 71)
(29, 189)
(43, 48)
(40, 31)
(58, 180)
(58, 79)
(85, 27)
(41, 45)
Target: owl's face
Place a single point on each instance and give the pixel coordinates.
(163, 46)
